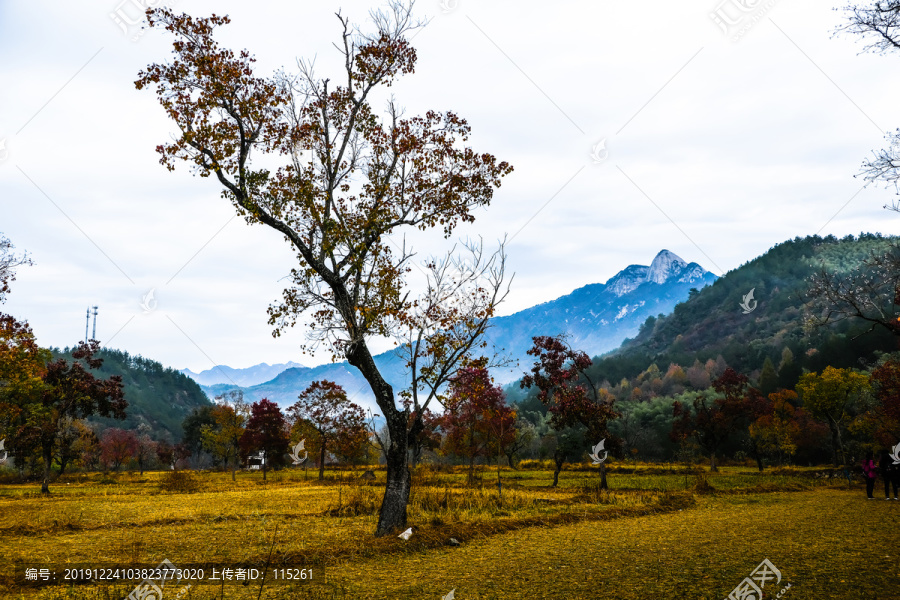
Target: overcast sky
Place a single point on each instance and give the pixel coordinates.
(632, 127)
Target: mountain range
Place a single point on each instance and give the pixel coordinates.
(596, 318)
(241, 377)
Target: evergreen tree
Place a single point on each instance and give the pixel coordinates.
(768, 377)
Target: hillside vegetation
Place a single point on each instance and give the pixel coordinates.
(158, 396)
(711, 322)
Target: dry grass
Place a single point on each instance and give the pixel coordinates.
(329, 525)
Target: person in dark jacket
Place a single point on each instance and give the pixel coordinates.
(869, 472)
(891, 474)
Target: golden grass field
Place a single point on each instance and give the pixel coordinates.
(657, 533)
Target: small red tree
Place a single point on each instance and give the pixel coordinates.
(166, 454)
(560, 374)
(478, 418)
(340, 425)
(181, 452)
(266, 431)
(146, 447)
(117, 446)
(426, 437)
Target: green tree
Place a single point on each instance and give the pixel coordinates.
(833, 397)
(768, 377)
(193, 425)
(222, 439)
(788, 370)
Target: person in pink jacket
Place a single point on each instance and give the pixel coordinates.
(869, 473)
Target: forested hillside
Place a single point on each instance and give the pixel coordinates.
(159, 396)
(712, 323)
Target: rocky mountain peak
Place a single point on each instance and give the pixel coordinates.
(664, 265)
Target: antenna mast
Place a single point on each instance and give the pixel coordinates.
(87, 324)
(94, 337)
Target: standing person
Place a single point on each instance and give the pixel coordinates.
(884, 466)
(891, 474)
(869, 471)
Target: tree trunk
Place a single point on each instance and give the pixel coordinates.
(264, 465)
(48, 458)
(322, 460)
(837, 441)
(509, 460)
(392, 516)
(754, 448)
(415, 452)
(559, 460)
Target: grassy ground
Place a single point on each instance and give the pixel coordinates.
(657, 533)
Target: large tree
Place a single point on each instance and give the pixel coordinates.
(886, 382)
(146, 447)
(340, 424)
(776, 432)
(351, 182)
(70, 442)
(22, 370)
(745, 404)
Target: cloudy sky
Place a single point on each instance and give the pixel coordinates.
(632, 127)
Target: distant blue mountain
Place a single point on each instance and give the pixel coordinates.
(596, 318)
(240, 377)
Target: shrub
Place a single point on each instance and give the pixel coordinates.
(183, 482)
